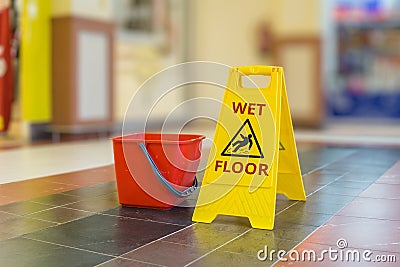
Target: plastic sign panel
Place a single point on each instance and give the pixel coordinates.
(254, 156)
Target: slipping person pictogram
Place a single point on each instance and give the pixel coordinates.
(246, 140)
(241, 145)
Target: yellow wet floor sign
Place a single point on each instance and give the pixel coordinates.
(254, 156)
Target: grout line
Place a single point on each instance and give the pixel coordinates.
(26, 216)
(102, 194)
(316, 169)
(291, 205)
(139, 219)
(279, 212)
(55, 223)
(87, 211)
(159, 239)
(174, 243)
(300, 242)
(39, 211)
(53, 207)
(66, 246)
(312, 232)
(18, 215)
(364, 218)
(333, 215)
(151, 263)
(334, 180)
(110, 260)
(91, 211)
(220, 246)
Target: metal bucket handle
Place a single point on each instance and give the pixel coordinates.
(181, 194)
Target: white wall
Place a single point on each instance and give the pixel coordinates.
(226, 31)
(297, 18)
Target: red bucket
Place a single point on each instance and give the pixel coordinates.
(156, 170)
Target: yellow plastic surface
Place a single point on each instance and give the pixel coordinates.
(242, 179)
(35, 61)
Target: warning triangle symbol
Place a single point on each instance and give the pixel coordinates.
(244, 143)
(281, 147)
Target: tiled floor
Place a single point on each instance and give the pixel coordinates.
(371, 222)
(74, 219)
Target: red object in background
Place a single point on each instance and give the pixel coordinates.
(6, 73)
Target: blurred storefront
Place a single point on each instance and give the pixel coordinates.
(364, 61)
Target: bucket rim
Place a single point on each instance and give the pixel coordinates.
(138, 137)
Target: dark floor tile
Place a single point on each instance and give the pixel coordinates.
(352, 184)
(166, 253)
(329, 198)
(229, 259)
(60, 215)
(371, 157)
(387, 209)
(24, 207)
(361, 168)
(340, 190)
(311, 188)
(121, 262)
(93, 190)
(254, 240)
(301, 217)
(20, 225)
(359, 177)
(231, 224)
(97, 204)
(327, 172)
(319, 157)
(201, 236)
(56, 199)
(24, 252)
(105, 234)
(378, 171)
(319, 179)
(289, 231)
(282, 204)
(316, 207)
(176, 215)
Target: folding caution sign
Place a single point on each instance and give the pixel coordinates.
(254, 156)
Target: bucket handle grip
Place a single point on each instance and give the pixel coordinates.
(181, 194)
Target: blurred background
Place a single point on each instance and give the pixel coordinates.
(68, 68)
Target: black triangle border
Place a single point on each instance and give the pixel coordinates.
(281, 147)
(255, 139)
